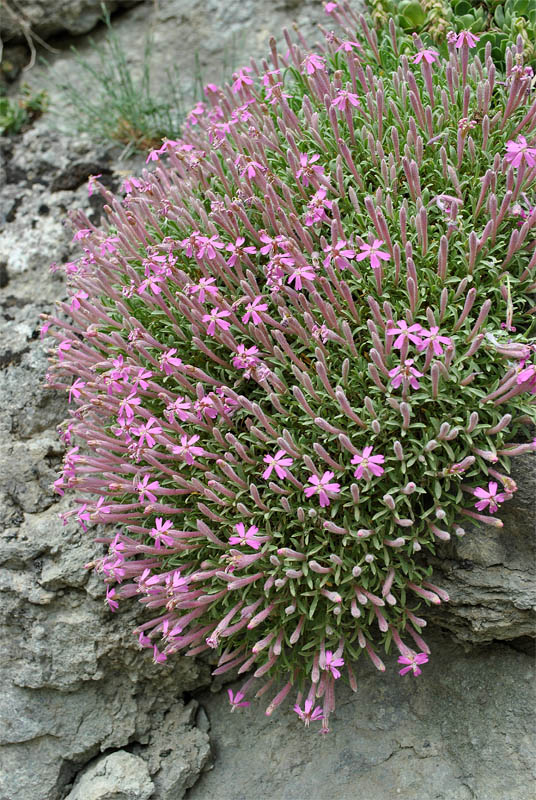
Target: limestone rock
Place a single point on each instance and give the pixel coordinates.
(118, 776)
(489, 573)
(177, 752)
(49, 17)
(462, 730)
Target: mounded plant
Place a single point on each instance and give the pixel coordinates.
(301, 354)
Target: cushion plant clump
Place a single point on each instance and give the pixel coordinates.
(302, 354)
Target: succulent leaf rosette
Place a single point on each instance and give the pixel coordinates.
(301, 355)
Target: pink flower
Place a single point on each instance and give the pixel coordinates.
(238, 251)
(338, 252)
(144, 488)
(207, 247)
(527, 375)
(329, 8)
(428, 54)
(159, 532)
(205, 405)
(406, 374)
(373, 252)
(463, 37)
(180, 407)
(146, 432)
(321, 487)
(345, 100)
(348, 47)
(188, 449)
(245, 537)
(309, 714)
(308, 168)
(252, 310)
(91, 183)
(216, 317)
(74, 391)
(518, 150)
(250, 169)
(314, 63)
(241, 79)
(412, 660)
(306, 271)
(432, 340)
(489, 498)
(158, 657)
(316, 208)
(368, 464)
(236, 699)
(332, 663)
(125, 410)
(246, 359)
(168, 360)
(113, 604)
(203, 287)
(406, 332)
(277, 463)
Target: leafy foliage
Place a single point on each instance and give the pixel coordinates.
(301, 351)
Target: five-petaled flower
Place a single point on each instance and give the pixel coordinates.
(252, 310)
(519, 150)
(216, 317)
(410, 333)
(338, 252)
(241, 80)
(277, 463)
(246, 358)
(489, 499)
(204, 287)
(373, 252)
(309, 714)
(314, 63)
(368, 464)
(309, 169)
(159, 533)
(316, 208)
(306, 271)
(332, 663)
(412, 661)
(188, 449)
(406, 374)
(245, 537)
(345, 99)
(238, 251)
(146, 489)
(348, 47)
(461, 38)
(321, 487)
(433, 340)
(427, 54)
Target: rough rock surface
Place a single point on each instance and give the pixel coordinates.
(463, 730)
(490, 573)
(48, 17)
(74, 683)
(118, 776)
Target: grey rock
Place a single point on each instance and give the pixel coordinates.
(176, 752)
(48, 17)
(463, 730)
(118, 776)
(489, 573)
